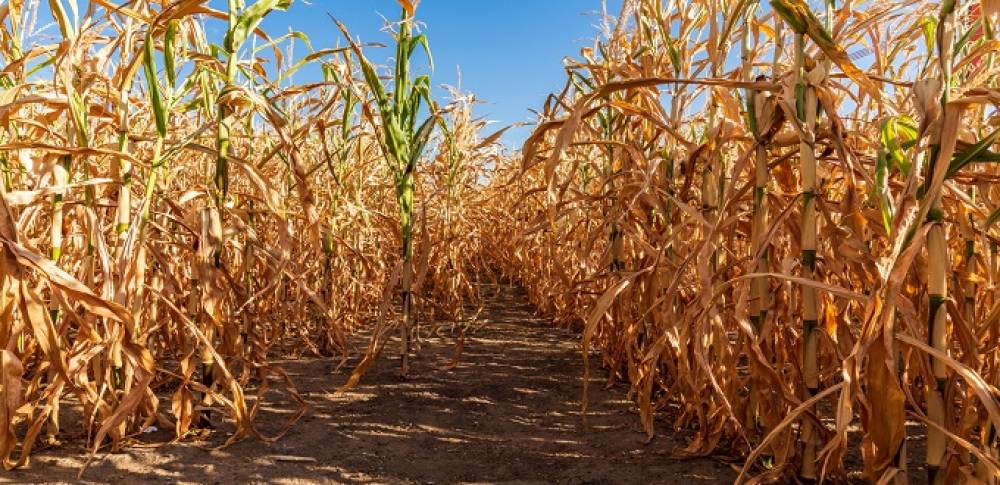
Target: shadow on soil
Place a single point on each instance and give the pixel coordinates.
(509, 412)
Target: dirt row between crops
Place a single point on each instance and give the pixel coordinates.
(508, 412)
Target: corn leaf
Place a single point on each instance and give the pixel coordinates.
(158, 104)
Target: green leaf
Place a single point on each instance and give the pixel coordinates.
(881, 190)
(78, 108)
(66, 27)
(791, 13)
(928, 25)
(896, 133)
(580, 78)
(421, 40)
(306, 60)
(420, 139)
(41, 65)
(170, 52)
(375, 85)
(992, 219)
(249, 19)
(751, 107)
(155, 96)
(675, 58)
(978, 151)
(966, 37)
(800, 101)
(294, 34)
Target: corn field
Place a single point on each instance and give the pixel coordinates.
(772, 222)
(177, 214)
(775, 223)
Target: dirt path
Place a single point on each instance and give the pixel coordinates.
(509, 412)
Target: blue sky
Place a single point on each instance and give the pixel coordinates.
(509, 51)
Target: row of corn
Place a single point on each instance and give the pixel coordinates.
(178, 212)
(775, 221)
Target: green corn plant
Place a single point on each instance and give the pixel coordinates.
(62, 172)
(402, 142)
(337, 148)
(76, 130)
(160, 101)
(159, 104)
(164, 95)
(337, 153)
(242, 21)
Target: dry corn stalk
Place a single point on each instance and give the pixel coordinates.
(820, 317)
(163, 201)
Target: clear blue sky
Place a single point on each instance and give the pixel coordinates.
(509, 51)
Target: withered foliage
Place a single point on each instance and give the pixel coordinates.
(775, 222)
(176, 214)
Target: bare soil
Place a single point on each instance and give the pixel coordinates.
(507, 413)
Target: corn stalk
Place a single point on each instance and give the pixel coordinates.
(402, 141)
